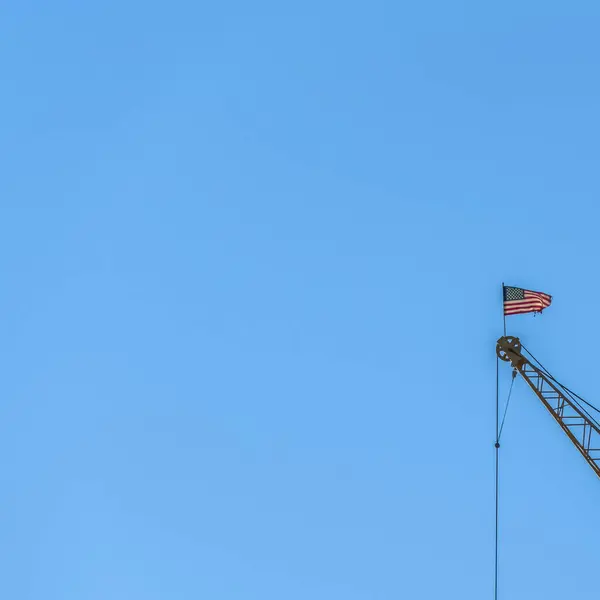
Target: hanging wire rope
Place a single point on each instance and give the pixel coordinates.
(497, 446)
(512, 383)
(499, 428)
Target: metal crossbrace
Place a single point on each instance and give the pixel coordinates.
(580, 428)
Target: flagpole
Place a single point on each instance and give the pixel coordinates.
(503, 313)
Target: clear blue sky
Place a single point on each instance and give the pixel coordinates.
(251, 257)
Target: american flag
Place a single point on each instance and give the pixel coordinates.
(518, 301)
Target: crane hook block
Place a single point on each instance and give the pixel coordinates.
(509, 349)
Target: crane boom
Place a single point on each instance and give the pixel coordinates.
(581, 428)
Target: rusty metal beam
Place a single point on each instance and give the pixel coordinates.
(580, 427)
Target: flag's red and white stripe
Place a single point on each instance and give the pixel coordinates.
(531, 302)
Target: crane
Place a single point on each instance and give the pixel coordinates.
(567, 408)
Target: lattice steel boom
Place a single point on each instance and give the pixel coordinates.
(581, 428)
